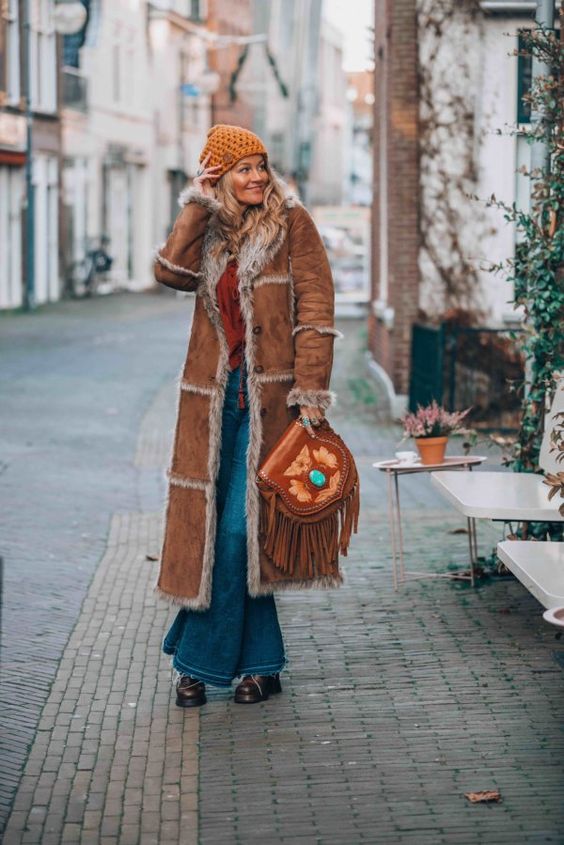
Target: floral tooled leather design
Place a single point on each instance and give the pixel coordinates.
(324, 456)
(299, 490)
(302, 464)
(330, 489)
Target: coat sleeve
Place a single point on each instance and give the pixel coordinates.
(314, 331)
(177, 261)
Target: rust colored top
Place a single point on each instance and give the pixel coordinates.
(228, 301)
(233, 323)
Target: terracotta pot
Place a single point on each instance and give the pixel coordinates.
(431, 449)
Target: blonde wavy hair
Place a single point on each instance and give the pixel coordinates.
(263, 222)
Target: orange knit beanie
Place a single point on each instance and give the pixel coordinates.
(228, 145)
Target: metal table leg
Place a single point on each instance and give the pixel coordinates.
(399, 528)
(392, 525)
(471, 522)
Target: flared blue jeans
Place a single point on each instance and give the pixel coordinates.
(237, 635)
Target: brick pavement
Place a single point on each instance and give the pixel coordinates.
(76, 378)
(112, 761)
(394, 705)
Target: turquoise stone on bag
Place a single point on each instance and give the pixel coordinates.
(317, 477)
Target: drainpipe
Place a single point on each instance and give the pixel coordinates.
(29, 289)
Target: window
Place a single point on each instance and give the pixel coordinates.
(12, 52)
(524, 78)
(43, 68)
(73, 43)
(196, 10)
(11, 200)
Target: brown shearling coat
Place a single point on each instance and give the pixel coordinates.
(287, 302)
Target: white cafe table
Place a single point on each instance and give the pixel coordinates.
(394, 469)
(503, 496)
(538, 566)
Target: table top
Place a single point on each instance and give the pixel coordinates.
(539, 567)
(498, 495)
(451, 462)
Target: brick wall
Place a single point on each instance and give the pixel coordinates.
(395, 219)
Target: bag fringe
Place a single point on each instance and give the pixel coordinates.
(311, 548)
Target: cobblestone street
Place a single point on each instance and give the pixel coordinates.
(393, 706)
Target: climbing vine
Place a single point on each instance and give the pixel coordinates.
(451, 228)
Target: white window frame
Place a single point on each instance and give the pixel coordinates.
(11, 201)
(46, 189)
(13, 80)
(43, 58)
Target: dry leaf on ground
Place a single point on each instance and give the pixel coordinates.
(484, 796)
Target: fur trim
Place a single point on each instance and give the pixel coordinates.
(174, 268)
(164, 514)
(316, 398)
(291, 294)
(212, 271)
(272, 280)
(189, 483)
(324, 582)
(179, 601)
(283, 375)
(197, 388)
(292, 200)
(321, 329)
(193, 195)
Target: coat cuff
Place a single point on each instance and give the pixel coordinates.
(320, 329)
(174, 268)
(193, 195)
(315, 398)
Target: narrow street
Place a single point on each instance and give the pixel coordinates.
(393, 706)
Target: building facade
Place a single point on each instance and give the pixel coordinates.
(28, 72)
(329, 154)
(358, 144)
(412, 255)
(282, 75)
(228, 22)
(121, 109)
(133, 122)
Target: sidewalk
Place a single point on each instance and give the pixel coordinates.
(394, 705)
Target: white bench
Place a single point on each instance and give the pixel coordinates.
(538, 566)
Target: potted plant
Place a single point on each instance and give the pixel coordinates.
(430, 426)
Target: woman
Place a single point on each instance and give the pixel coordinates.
(260, 354)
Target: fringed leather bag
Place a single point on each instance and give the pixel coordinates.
(310, 499)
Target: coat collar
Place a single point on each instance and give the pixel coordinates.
(252, 259)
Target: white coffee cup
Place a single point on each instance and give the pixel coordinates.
(407, 457)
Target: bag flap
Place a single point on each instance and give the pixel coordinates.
(309, 473)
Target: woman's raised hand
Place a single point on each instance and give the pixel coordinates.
(204, 178)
